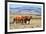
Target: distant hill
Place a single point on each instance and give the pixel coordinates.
(25, 9)
(25, 13)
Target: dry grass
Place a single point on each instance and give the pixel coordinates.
(35, 23)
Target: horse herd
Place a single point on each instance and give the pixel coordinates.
(22, 19)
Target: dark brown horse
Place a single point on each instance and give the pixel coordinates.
(28, 18)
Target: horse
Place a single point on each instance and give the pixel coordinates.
(28, 19)
(22, 19)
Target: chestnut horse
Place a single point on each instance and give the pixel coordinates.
(17, 19)
(22, 19)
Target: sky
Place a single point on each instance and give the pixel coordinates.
(21, 8)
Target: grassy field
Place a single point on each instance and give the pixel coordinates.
(35, 23)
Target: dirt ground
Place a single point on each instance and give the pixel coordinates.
(35, 23)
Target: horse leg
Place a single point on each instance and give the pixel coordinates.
(30, 21)
(25, 21)
(16, 22)
(13, 22)
(22, 21)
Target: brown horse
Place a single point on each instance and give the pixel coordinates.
(28, 18)
(18, 19)
(22, 19)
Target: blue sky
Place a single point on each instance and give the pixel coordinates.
(20, 8)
